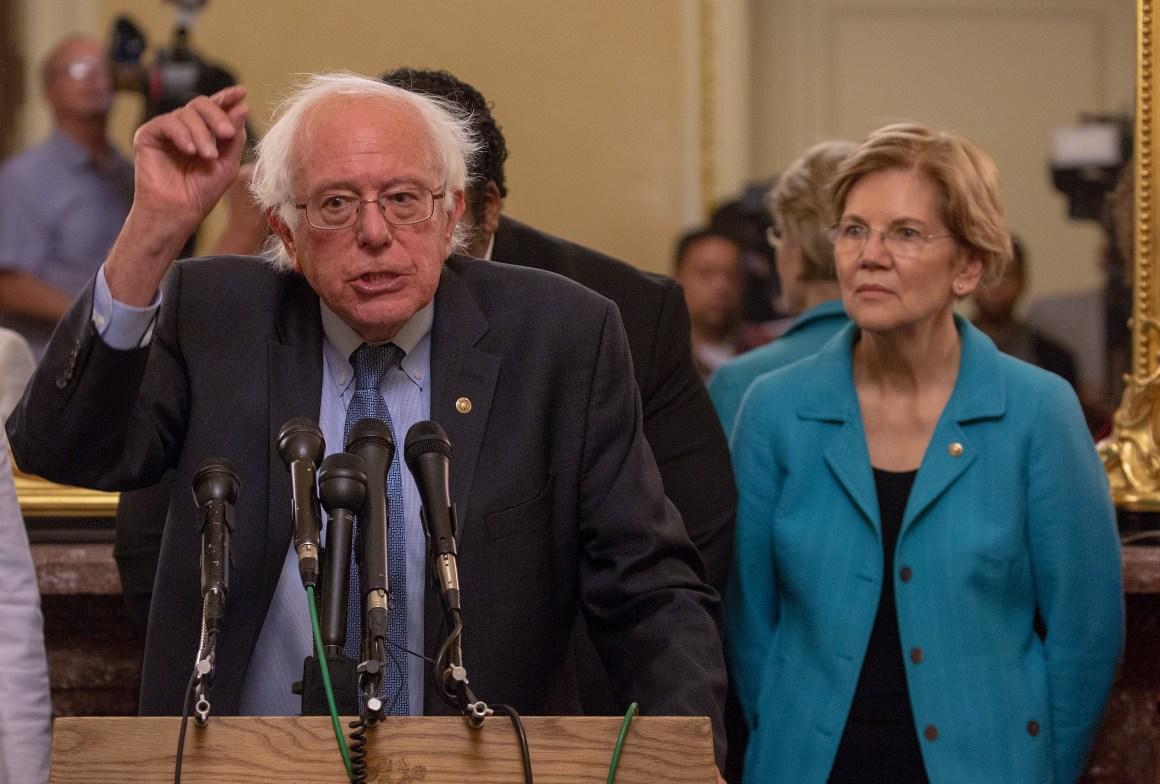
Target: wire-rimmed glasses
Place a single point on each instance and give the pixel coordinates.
(403, 206)
(900, 240)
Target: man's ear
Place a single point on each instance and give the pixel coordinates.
(487, 213)
(284, 234)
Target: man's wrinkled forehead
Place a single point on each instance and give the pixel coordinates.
(371, 124)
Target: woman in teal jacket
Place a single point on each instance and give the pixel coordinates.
(927, 581)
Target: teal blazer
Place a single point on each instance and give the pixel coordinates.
(806, 335)
(1010, 515)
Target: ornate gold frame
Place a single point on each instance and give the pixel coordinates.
(41, 498)
(1131, 453)
(707, 115)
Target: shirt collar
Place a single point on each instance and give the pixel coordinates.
(69, 150)
(342, 340)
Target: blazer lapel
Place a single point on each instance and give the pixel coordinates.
(295, 356)
(463, 377)
(294, 389)
(463, 380)
(829, 397)
(978, 394)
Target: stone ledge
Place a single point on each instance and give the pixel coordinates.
(1141, 569)
(69, 569)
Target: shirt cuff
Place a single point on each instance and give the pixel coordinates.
(122, 326)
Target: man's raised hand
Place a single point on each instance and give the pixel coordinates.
(184, 161)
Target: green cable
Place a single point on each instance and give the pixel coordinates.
(322, 665)
(620, 742)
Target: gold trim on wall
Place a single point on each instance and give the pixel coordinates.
(707, 46)
(42, 498)
(1131, 453)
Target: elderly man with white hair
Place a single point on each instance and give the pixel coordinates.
(561, 508)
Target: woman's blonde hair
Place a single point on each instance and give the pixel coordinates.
(966, 178)
(801, 208)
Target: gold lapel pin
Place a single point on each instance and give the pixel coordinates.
(463, 405)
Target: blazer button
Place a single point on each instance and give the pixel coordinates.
(930, 733)
(905, 574)
(916, 655)
(956, 449)
(1033, 728)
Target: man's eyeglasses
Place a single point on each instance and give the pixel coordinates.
(902, 240)
(79, 68)
(340, 209)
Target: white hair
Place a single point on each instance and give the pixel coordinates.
(454, 146)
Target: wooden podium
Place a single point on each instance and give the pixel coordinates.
(418, 750)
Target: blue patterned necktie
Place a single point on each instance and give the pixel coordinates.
(371, 364)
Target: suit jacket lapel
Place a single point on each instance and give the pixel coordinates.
(463, 379)
(294, 390)
(978, 394)
(829, 397)
(295, 356)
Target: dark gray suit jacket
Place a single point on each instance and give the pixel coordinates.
(561, 505)
(680, 422)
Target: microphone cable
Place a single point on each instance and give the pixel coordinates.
(439, 664)
(208, 644)
(624, 725)
(522, 736)
(316, 632)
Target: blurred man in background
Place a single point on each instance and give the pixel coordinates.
(708, 266)
(996, 315)
(63, 201)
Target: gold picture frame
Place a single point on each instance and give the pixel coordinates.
(42, 498)
(1131, 453)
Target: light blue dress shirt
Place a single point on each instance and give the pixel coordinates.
(285, 640)
(59, 216)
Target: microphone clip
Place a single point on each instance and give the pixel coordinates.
(203, 671)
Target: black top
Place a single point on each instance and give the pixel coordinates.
(879, 743)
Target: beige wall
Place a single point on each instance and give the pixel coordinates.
(603, 107)
(1004, 72)
(588, 93)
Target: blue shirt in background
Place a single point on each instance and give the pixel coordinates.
(59, 216)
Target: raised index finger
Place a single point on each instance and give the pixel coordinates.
(223, 111)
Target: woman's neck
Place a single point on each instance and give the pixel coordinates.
(908, 363)
(819, 291)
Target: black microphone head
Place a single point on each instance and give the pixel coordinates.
(370, 430)
(342, 482)
(301, 439)
(215, 479)
(423, 438)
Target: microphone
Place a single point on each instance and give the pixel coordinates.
(342, 486)
(428, 454)
(371, 439)
(301, 447)
(215, 489)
